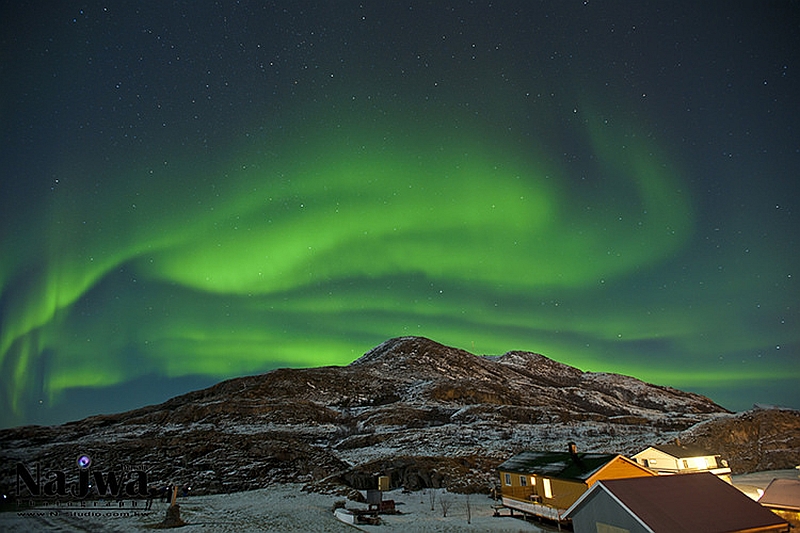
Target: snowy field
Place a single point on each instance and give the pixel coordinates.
(282, 508)
(286, 508)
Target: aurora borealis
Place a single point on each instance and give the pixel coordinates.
(196, 191)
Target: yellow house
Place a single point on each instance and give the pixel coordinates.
(546, 484)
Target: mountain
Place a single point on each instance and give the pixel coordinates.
(424, 413)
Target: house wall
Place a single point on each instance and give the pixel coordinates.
(618, 469)
(565, 493)
(666, 462)
(663, 460)
(601, 514)
(516, 490)
(697, 463)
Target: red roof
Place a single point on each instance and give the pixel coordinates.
(688, 503)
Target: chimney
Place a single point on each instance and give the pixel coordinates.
(677, 441)
(573, 449)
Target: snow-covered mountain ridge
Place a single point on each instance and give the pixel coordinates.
(425, 413)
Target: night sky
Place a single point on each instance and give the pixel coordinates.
(192, 191)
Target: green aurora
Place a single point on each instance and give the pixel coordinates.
(313, 256)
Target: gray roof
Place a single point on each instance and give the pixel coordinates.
(782, 494)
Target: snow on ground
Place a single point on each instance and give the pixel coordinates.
(279, 509)
(286, 508)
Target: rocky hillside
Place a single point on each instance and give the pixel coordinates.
(760, 439)
(426, 414)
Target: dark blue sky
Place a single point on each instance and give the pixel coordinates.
(192, 191)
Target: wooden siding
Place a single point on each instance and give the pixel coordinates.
(663, 461)
(619, 468)
(565, 493)
(516, 490)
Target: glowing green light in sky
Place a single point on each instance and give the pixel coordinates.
(312, 248)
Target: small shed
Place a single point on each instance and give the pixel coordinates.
(677, 458)
(546, 483)
(782, 496)
(670, 504)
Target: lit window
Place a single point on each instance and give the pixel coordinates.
(508, 479)
(548, 491)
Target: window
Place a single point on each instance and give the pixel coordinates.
(548, 490)
(508, 479)
(523, 481)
